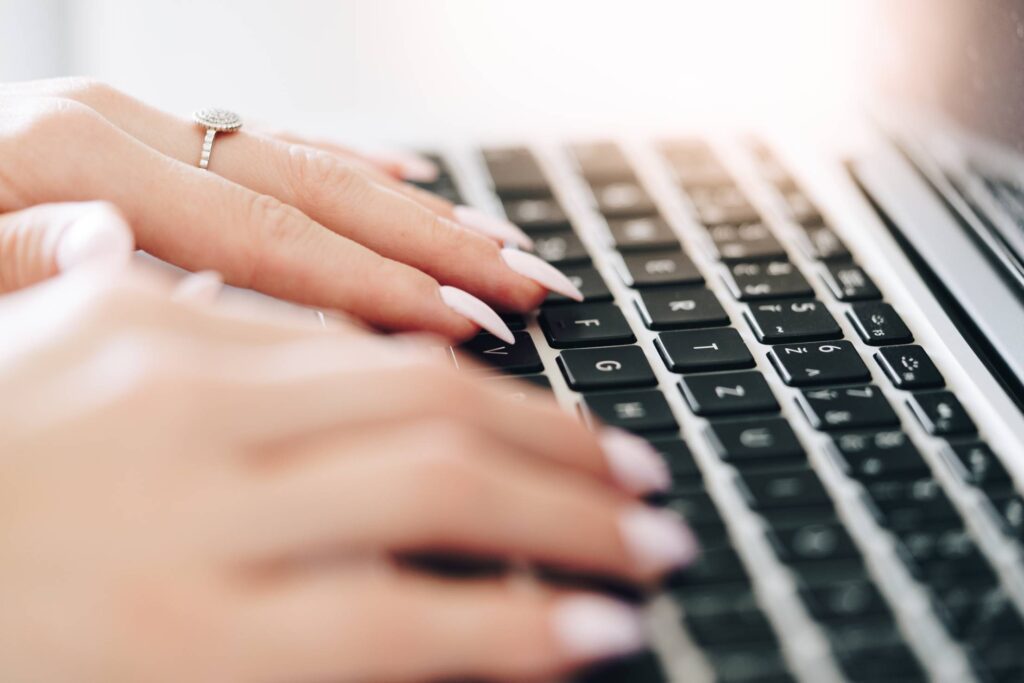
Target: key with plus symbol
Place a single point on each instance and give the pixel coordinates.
(834, 362)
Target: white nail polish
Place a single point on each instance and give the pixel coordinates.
(591, 627)
(658, 539)
(199, 288)
(634, 462)
(540, 272)
(416, 169)
(467, 305)
(97, 235)
(491, 226)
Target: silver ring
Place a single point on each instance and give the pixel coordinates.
(215, 121)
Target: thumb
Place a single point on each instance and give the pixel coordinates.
(41, 241)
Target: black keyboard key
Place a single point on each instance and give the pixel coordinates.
(665, 267)
(648, 232)
(909, 367)
(880, 455)
(784, 519)
(828, 572)
(945, 555)
(639, 411)
(755, 440)
(716, 204)
(677, 455)
(893, 663)
(821, 243)
(803, 365)
(696, 508)
(704, 350)
(586, 279)
(673, 308)
(844, 600)
(745, 241)
(623, 199)
(847, 408)
(718, 565)
(739, 626)
(515, 321)
(941, 413)
(602, 162)
(792, 321)
(979, 466)
(878, 324)
(801, 208)
(975, 609)
(612, 367)
(760, 663)
(518, 358)
(560, 247)
(537, 215)
(907, 493)
(1010, 510)
(515, 172)
(585, 325)
(784, 489)
(849, 282)
(728, 393)
(642, 668)
(718, 600)
(759, 280)
(813, 542)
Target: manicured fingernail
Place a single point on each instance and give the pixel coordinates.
(591, 627)
(416, 169)
(467, 305)
(634, 462)
(97, 235)
(541, 272)
(200, 288)
(658, 539)
(491, 226)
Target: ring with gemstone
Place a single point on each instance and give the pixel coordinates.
(215, 121)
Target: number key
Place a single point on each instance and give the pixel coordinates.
(847, 408)
(849, 282)
(792, 321)
(802, 365)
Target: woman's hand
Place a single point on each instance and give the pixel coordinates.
(189, 492)
(313, 223)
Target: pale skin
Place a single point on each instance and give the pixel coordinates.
(191, 490)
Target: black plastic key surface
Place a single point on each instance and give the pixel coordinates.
(640, 411)
(880, 455)
(716, 204)
(610, 367)
(941, 413)
(843, 600)
(642, 668)
(979, 466)
(749, 663)
(674, 308)
(759, 280)
(677, 455)
(755, 440)
(878, 324)
(518, 358)
(739, 626)
(812, 542)
(602, 162)
(849, 282)
(745, 241)
(847, 408)
(560, 247)
(821, 243)
(909, 367)
(815, 363)
(586, 279)
(661, 267)
(537, 214)
(1009, 508)
(704, 350)
(584, 325)
(728, 393)
(945, 555)
(792, 321)
(784, 489)
(718, 565)
(646, 232)
(515, 172)
(623, 199)
(801, 208)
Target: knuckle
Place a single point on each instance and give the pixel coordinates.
(85, 89)
(315, 176)
(273, 224)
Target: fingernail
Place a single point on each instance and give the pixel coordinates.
(200, 288)
(658, 539)
(591, 627)
(634, 462)
(416, 169)
(467, 305)
(540, 272)
(98, 235)
(491, 226)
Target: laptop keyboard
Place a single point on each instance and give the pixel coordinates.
(811, 438)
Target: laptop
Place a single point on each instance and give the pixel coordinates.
(825, 342)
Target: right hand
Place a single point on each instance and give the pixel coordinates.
(195, 493)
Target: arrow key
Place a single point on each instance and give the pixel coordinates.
(518, 359)
(847, 408)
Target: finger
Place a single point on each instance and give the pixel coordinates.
(350, 627)
(38, 242)
(345, 200)
(253, 240)
(453, 489)
(199, 288)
